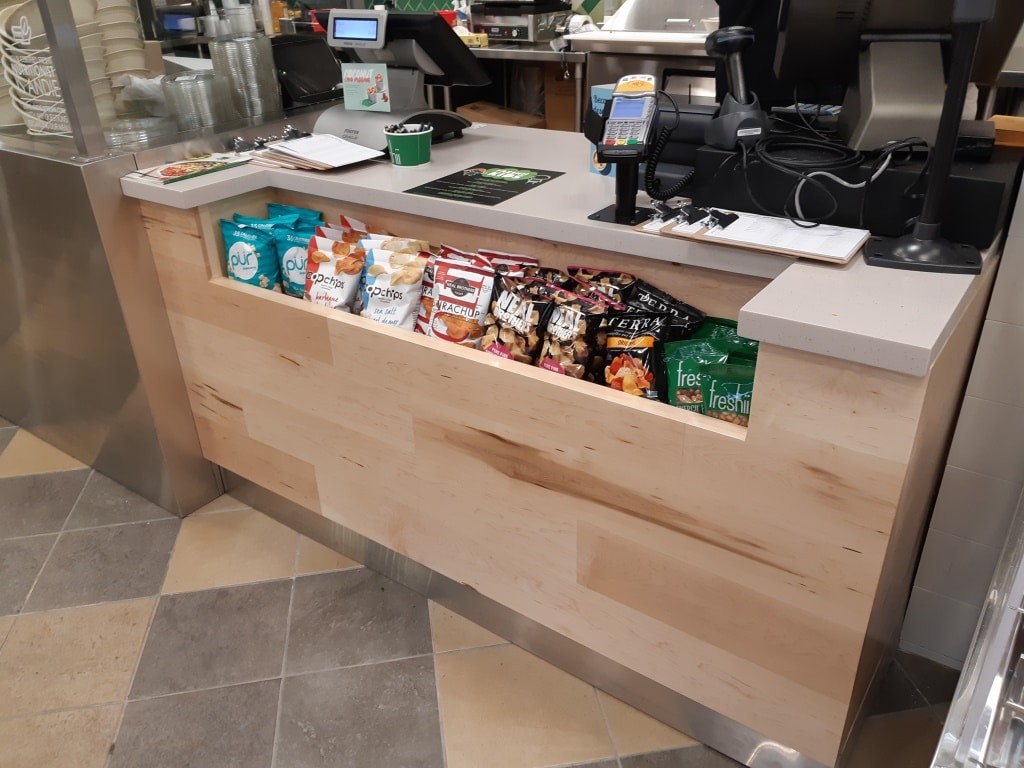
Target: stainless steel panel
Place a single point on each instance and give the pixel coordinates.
(716, 731)
(678, 73)
(662, 15)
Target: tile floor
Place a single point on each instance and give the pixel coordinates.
(130, 639)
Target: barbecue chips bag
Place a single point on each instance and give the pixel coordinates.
(251, 255)
(333, 270)
(684, 366)
(293, 254)
(635, 347)
(462, 296)
(392, 285)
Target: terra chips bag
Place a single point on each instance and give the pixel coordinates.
(306, 216)
(684, 365)
(251, 255)
(685, 319)
(573, 335)
(293, 255)
(728, 391)
(462, 296)
(514, 324)
(333, 269)
(634, 357)
(392, 284)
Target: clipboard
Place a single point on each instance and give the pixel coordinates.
(768, 234)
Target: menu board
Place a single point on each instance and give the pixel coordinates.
(485, 184)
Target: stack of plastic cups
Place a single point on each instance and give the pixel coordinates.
(195, 99)
(246, 62)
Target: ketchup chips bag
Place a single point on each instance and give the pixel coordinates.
(462, 296)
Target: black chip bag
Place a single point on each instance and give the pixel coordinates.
(549, 274)
(612, 283)
(514, 324)
(573, 342)
(686, 320)
(635, 346)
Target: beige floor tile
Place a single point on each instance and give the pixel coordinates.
(72, 658)
(6, 622)
(224, 503)
(314, 557)
(28, 455)
(502, 707)
(453, 633)
(634, 732)
(78, 738)
(229, 548)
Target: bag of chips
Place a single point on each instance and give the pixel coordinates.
(333, 271)
(392, 285)
(684, 365)
(306, 216)
(573, 342)
(462, 296)
(724, 331)
(514, 324)
(514, 261)
(612, 283)
(635, 345)
(686, 320)
(274, 223)
(727, 391)
(551, 275)
(251, 255)
(293, 254)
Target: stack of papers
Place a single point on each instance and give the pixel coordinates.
(319, 152)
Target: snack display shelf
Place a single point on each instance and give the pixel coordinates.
(755, 576)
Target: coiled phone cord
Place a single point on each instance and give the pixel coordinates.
(652, 184)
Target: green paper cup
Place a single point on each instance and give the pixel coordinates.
(410, 148)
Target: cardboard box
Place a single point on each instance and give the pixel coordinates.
(559, 99)
(599, 96)
(485, 112)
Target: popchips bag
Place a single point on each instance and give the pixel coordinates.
(251, 255)
(333, 269)
(392, 285)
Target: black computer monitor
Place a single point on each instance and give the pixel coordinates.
(424, 41)
(307, 69)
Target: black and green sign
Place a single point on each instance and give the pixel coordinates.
(485, 184)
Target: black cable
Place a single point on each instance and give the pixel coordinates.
(805, 121)
(892, 151)
(652, 184)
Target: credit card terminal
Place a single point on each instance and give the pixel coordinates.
(627, 131)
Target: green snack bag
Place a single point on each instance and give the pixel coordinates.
(724, 330)
(684, 363)
(306, 216)
(251, 255)
(268, 224)
(292, 252)
(727, 391)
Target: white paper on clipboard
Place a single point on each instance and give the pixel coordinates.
(823, 241)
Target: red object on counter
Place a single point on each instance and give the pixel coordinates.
(450, 16)
(317, 26)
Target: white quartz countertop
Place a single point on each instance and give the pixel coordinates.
(887, 318)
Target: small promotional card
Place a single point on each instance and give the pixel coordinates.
(366, 87)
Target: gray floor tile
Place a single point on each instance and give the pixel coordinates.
(116, 563)
(38, 503)
(5, 423)
(687, 757)
(895, 692)
(213, 638)
(229, 727)
(375, 716)
(598, 764)
(6, 435)
(936, 682)
(354, 617)
(20, 561)
(104, 502)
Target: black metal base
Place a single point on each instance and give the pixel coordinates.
(908, 252)
(640, 215)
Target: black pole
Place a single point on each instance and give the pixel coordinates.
(627, 183)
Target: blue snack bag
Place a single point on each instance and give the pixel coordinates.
(306, 216)
(292, 252)
(251, 255)
(278, 221)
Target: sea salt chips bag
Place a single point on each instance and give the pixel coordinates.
(635, 347)
(514, 323)
(684, 366)
(728, 391)
(251, 255)
(573, 343)
(462, 298)
(391, 287)
(333, 271)
(293, 255)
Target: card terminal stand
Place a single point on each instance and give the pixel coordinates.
(625, 139)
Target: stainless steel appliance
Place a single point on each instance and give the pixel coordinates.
(520, 22)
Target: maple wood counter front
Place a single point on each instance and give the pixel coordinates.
(758, 573)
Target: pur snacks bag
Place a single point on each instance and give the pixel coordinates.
(724, 331)
(277, 221)
(685, 319)
(727, 391)
(306, 216)
(573, 335)
(251, 255)
(612, 283)
(684, 368)
(462, 297)
(333, 270)
(293, 254)
(634, 357)
(514, 323)
(392, 285)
